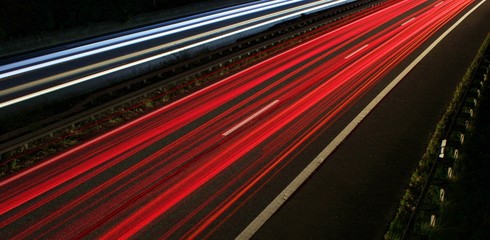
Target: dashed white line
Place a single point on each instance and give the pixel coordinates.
(358, 50)
(256, 114)
(408, 21)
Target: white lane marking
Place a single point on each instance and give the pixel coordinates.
(408, 21)
(254, 226)
(256, 114)
(358, 50)
(123, 127)
(112, 70)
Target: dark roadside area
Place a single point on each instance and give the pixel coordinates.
(29, 26)
(467, 214)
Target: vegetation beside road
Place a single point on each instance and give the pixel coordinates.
(424, 207)
(467, 213)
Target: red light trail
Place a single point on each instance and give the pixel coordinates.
(202, 157)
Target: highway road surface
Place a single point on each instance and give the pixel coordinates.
(206, 165)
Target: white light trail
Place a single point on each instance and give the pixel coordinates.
(135, 38)
(145, 60)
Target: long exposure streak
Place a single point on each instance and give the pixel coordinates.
(187, 169)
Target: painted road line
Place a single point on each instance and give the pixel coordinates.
(256, 114)
(255, 225)
(358, 50)
(408, 21)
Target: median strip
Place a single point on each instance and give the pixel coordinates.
(307, 8)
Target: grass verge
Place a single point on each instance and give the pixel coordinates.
(419, 182)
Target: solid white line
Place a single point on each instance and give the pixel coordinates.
(254, 226)
(256, 114)
(352, 54)
(408, 21)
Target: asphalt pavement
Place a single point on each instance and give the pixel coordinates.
(205, 165)
(355, 193)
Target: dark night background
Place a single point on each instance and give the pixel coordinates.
(23, 18)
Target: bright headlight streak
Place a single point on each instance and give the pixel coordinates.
(128, 37)
(171, 29)
(99, 74)
(127, 58)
